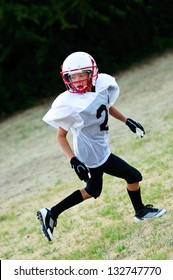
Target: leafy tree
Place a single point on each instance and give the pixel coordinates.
(37, 35)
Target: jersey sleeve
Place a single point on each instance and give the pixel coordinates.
(107, 82)
(63, 115)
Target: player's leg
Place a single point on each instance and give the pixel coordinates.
(48, 216)
(94, 186)
(117, 167)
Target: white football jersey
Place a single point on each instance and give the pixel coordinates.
(86, 115)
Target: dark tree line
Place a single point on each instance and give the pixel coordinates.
(36, 36)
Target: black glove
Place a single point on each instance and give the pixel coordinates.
(81, 170)
(135, 127)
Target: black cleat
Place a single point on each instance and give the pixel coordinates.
(147, 213)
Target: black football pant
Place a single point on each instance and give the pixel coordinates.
(114, 166)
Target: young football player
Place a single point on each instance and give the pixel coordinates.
(84, 109)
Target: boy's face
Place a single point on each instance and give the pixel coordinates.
(80, 80)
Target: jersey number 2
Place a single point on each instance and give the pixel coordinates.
(101, 109)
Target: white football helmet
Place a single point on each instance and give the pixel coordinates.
(79, 62)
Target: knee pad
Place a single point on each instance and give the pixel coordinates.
(94, 192)
(137, 177)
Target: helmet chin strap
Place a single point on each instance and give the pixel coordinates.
(83, 89)
(80, 88)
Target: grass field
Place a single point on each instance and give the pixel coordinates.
(36, 174)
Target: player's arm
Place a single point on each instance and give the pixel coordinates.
(133, 125)
(64, 144)
(81, 170)
(114, 112)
